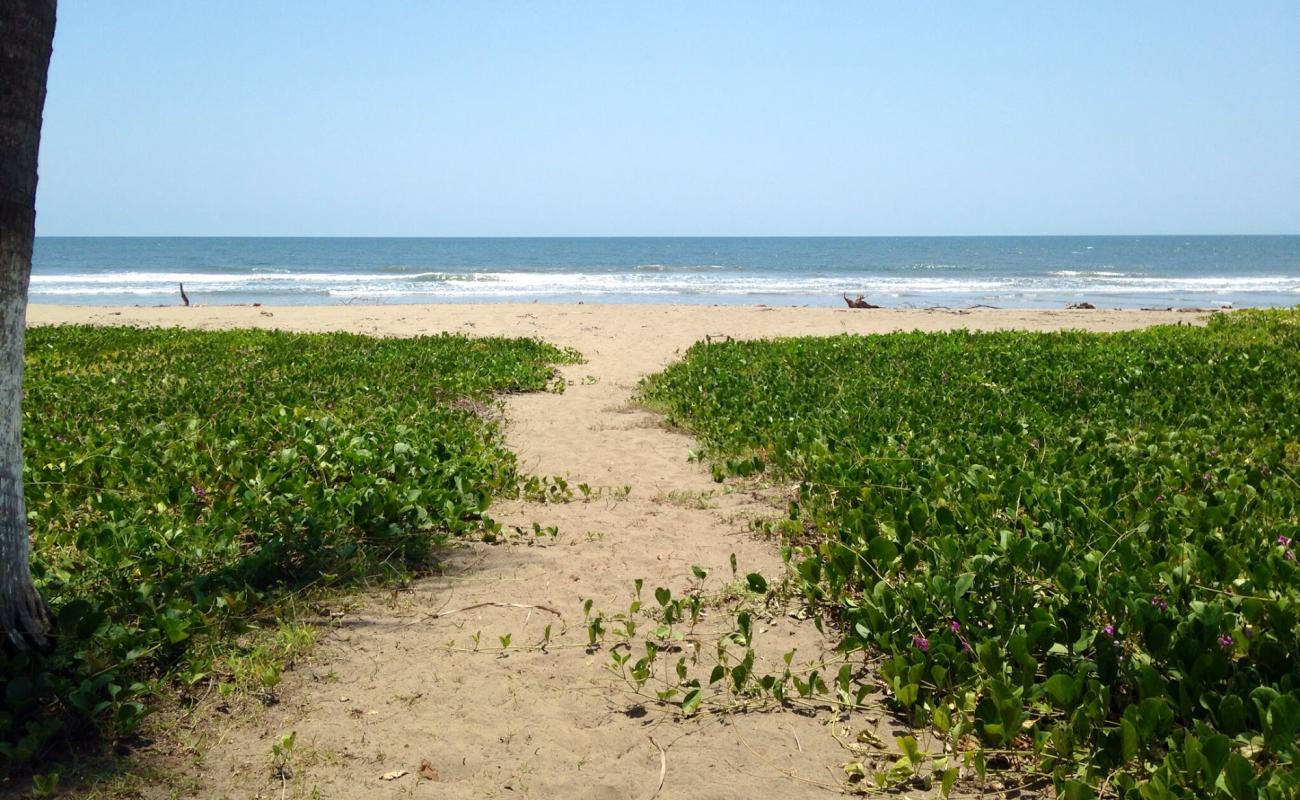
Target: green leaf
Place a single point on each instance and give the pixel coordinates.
(1232, 715)
(745, 624)
(1283, 723)
(907, 694)
(1129, 741)
(910, 749)
(882, 550)
(990, 655)
(963, 585)
(691, 702)
(1215, 749)
(1077, 790)
(739, 674)
(1238, 777)
(947, 781)
(1061, 688)
(176, 628)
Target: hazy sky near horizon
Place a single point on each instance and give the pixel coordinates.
(672, 118)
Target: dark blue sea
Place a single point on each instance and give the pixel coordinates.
(1020, 272)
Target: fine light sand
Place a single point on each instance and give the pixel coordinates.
(393, 685)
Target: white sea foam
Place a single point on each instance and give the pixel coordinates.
(648, 280)
(255, 277)
(1095, 273)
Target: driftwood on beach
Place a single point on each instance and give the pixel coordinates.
(859, 302)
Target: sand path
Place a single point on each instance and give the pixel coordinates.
(393, 686)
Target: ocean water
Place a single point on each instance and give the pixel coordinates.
(1021, 272)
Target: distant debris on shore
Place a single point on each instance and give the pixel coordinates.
(859, 302)
(1086, 306)
(1191, 309)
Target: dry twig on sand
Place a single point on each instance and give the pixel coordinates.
(498, 605)
(663, 767)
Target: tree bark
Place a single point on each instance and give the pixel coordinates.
(26, 41)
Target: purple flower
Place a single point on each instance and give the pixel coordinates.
(1109, 630)
(1284, 540)
(965, 645)
(921, 643)
(1206, 477)
(199, 492)
(1225, 641)
(1159, 602)
(954, 626)
(1160, 498)
(1290, 555)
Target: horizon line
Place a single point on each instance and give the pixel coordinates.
(653, 235)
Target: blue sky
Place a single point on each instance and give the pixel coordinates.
(671, 118)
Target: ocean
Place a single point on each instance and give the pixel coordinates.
(904, 272)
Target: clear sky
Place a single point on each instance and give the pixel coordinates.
(687, 118)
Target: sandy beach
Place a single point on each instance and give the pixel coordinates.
(396, 683)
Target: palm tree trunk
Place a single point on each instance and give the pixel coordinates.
(26, 40)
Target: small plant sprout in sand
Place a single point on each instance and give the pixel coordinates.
(687, 671)
(282, 753)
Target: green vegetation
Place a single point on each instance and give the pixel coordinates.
(1076, 550)
(178, 483)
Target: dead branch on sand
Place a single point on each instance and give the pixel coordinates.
(663, 766)
(858, 302)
